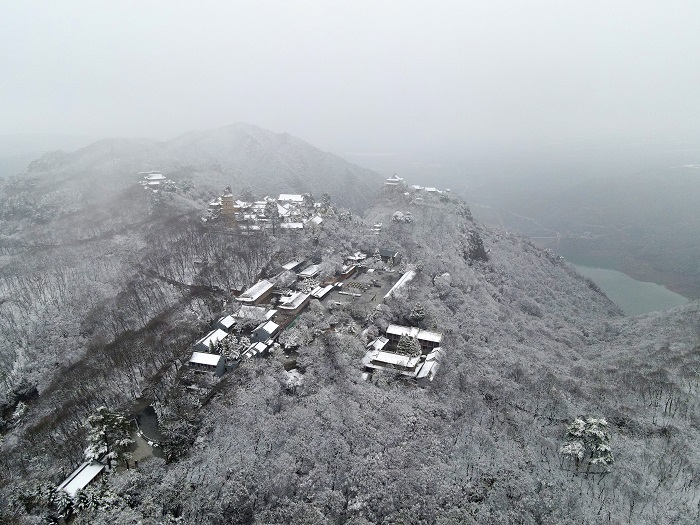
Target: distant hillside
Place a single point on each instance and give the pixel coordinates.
(646, 225)
(242, 156)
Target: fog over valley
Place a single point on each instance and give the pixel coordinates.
(322, 263)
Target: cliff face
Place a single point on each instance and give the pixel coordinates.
(100, 304)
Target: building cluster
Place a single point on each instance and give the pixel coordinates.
(396, 183)
(269, 306)
(286, 212)
(385, 353)
(153, 180)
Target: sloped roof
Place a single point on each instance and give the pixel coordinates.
(227, 321)
(202, 358)
(293, 301)
(212, 337)
(413, 331)
(310, 271)
(256, 291)
(81, 477)
(290, 197)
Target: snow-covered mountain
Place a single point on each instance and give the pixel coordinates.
(242, 156)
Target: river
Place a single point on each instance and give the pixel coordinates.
(632, 296)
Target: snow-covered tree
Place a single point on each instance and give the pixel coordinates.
(326, 201)
(308, 201)
(109, 435)
(588, 443)
(408, 345)
(476, 250)
(418, 312)
(273, 214)
(345, 217)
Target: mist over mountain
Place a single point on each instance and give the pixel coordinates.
(105, 286)
(242, 156)
(624, 204)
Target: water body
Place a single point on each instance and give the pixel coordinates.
(634, 297)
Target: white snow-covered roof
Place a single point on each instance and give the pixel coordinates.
(413, 331)
(416, 187)
(430, 336)
(431, 365)
(81, 477)
(292, 265)
(405, 278)
(292, 302)
(292, 225)
(379, 358)
(379, 343)
(227, 321)
(269, 327)
(290, 197)
(212, 337)
(431, 190)
(155, 176)
(315, 219)
(320, 292)
(428, 370)
(201, 358)
(251, 312)
(310, 271)
(256, 291)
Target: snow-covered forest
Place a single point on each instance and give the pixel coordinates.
(103, 292)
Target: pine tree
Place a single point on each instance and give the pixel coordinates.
(409, 346)
(273, 214)
(109, 435)
(588, 443)
(418, 312)
(308, 201)
(476, 251)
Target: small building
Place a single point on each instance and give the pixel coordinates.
(316, 219)
(292, 225)
(292, 266)
(320, 292)
(204, 344)
(390, 257)
(430, 365)
(265, 332)
(293, 304)
(81, 477)
(255, 350)
(405, 279)
(347, 271)
(309, 272)
(258, 293)
(428, 340)
(204, 362)
(226, 323)
(422, 367)
(394, 180)
(254, 313)
(402, 364)
(287, 197)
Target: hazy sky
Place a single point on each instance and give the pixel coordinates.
(354, 75)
